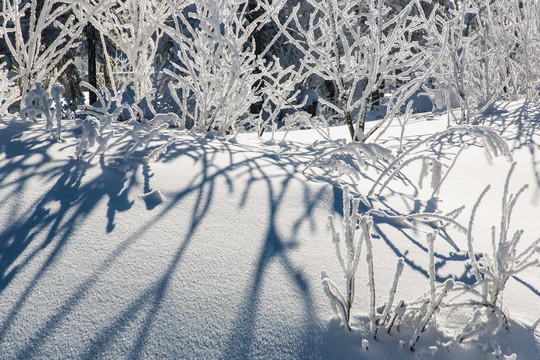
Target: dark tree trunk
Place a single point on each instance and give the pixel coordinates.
(92, 69)
(376, 96)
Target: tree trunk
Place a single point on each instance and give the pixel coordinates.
(92, 69)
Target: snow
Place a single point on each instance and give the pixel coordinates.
(153, 199)
(215, 249)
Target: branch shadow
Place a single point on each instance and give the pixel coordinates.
(74, 195)
(54, 217)
(274, 249)
(520, 127)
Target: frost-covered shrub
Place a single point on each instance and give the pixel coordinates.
(430, 309)
(9, 92)
(285, 107)
(512, 65)
(40, 103)
(481, 301)
(111, 122)
(134, 27)
(211, 81)
(90, 134)
(493, 144)
(493, 269)
(218, 76)
(356, 230)
(136, 136)
(38, 35)
(357, 48)
(96, 120)
(490, 54)
(110, 106)
(351, 159)
(142, 133)
(453, 76)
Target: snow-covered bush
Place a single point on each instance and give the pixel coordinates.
(283, 105)
(213, 78)
(492, 270)
(218, 76)
(356, 230)
(513, 44)
(39, 35)
(136, 136)
(110, 107)
(432, 308)
(351, 159)
(493, 144)
(90, 135)
(40, 103)
(142, 133)
(101, 125)
(134, 27)
(453, 76)
(358, 48)
(9, 92)
(490, 54)
(403, 120)
(483, 299)
(96, 120)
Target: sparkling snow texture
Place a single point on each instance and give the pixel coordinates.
(215, 249)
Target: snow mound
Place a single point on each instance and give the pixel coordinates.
(228, 263)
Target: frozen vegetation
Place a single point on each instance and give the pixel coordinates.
(327, 179)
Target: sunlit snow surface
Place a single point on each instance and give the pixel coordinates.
(216, 249)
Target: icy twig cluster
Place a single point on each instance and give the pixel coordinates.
(487, 55)
(356, 231)
(493, 144)
(96, 127)
(492, 270)
(9, 93)
(135, 28)
(358, 48)
(219, 75)
(38, 56)
(351, 159)
(142, 133)
(42, 104)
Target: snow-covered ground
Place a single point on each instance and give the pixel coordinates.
(216, 249)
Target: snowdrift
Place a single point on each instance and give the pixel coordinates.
(215, 250)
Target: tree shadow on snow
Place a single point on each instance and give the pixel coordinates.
(40, 228)
(74, 194)
(273, 249)
(520, 127)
